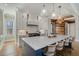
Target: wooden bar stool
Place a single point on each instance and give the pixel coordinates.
(68, 46)
(68, 42)
(51, 50)
(59, 48)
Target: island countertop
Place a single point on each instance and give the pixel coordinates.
(42, 41)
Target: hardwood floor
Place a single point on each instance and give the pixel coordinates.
(71, 52)
(11, 49)
(75, 50)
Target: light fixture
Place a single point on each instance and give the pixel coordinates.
(44, 10)
(60, 18)
(53, 14)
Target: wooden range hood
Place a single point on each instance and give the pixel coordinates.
(68, 19)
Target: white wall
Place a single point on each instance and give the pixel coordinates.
(77, 27)
(72, 29)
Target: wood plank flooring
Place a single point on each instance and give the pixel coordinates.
(10, 49)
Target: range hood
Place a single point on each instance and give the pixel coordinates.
(33, 22)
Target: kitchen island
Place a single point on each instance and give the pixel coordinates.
(32, 46)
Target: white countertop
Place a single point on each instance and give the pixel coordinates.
(42, 41)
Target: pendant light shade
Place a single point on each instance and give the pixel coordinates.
(53, 13)
(43, 10)
(60, 18)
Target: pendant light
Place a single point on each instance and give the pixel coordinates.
(59, 15)
(53, 14)
(60, 18)
(44, 10)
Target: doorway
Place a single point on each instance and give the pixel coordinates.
(9, 25)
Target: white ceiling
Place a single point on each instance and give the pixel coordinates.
(36, 8)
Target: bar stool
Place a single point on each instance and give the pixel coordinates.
(68, 42)
(68, 46)
(51, 50)
(59, 48)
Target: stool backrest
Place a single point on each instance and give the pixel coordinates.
(51, 48)
(60, 45)
(70, 39)
(67, 41)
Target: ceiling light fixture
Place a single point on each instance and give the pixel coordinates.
(60, 18)
(44, 10)
(53, 14)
